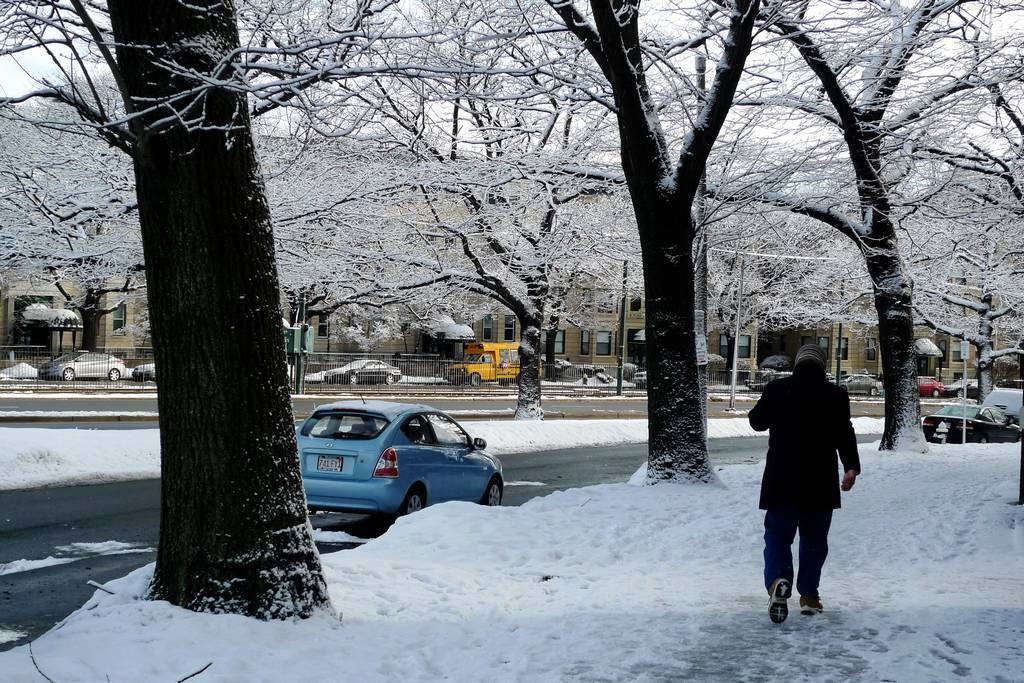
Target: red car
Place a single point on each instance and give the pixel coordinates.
(929, 386)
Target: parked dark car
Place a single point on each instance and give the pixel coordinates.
(984, 425)
(144, 373)
(761, 380)
(362, 371)
(956, 389)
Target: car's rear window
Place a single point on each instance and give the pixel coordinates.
(958, 411)
(344, 426)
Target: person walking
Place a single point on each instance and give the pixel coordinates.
(808, 419)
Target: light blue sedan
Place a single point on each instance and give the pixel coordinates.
(392, 459)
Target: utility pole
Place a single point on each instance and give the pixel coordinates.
(839, 354)
(300, 357)
(622, 328)
(964, 352)
(736, 338)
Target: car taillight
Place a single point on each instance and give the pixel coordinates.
(930, 421)
(387, 464)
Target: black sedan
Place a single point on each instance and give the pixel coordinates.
(984, 425)
(362, 371)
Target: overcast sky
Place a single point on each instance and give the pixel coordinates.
(13, 80)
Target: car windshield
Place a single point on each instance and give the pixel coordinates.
(958, 411)
(344, 426)
(68, 357)
(474, 358)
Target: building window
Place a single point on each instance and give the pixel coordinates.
(805, 340)
(559, 341)
(510, 328)
(957, 356)
(120, 319)
(844, 348)
(723, 345)
(871, 352)
(943, 345)
(604, 343)
(323, 326)
(823, 343)
(636, 303)
(585, 343)
(744, 349)
(487, 328)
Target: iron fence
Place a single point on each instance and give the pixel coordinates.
(27, 368)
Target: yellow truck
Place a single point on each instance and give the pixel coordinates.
(486, 362)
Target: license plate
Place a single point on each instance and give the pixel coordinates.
(330, 463)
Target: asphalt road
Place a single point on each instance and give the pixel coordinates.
(34, 524)
(481, 406)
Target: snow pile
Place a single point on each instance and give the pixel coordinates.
(19, 371)
(46, 457)
(618, 583)
(49, 457)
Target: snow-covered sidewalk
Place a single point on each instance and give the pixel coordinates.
(618, 583)
(33, 457)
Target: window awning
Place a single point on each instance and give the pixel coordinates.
(451, 330)
(926, 347)
(41, 315)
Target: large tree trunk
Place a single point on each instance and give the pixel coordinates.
(986, 365)
(91, 319)
(677, 448)
(528, 406)
(893, 291)
(234, 535)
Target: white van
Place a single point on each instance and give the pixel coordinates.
(1007, 400)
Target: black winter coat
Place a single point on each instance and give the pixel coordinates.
(809, 422)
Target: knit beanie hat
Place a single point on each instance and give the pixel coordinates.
(810, 353)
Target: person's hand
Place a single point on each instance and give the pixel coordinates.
(849, 479)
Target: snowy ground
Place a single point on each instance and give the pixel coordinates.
(33, 457)
(618, 583)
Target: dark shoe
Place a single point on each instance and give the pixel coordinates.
(779, 592)
(810, 606)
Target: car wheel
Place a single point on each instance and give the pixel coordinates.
(982, 439)
(389, 378)
(353, 378)
(936, 393)
(414, 501)
(474, 379)
(67, 374)
(492, 494)
(873, 391)
(114, 375)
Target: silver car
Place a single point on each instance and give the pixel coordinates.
(865, 385)
(84, 365)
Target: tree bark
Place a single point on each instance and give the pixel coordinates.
(677, 447)
(234, 534)
(893, 294)
(528, 401)
(91, 319)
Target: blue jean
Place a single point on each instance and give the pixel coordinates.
(780, 526)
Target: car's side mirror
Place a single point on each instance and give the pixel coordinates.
(479, 444)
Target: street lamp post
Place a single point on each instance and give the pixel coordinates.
(622, 328)
(736, 338)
